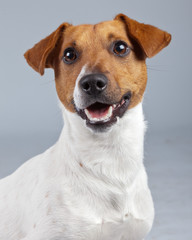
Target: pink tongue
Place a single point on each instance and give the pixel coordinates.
(98, 113)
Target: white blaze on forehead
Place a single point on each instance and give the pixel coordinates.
(81, 74)
(77, 93)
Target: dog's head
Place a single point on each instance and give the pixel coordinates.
(100, 70)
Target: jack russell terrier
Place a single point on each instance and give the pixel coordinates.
(92, 184)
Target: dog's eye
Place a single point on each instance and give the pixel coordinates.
(70, 55)
(120, 48)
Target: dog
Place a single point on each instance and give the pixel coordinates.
(92, 184)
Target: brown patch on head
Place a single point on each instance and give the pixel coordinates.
(94, 48)
(94, 45)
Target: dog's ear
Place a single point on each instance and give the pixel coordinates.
(41, 56)
(151, 39)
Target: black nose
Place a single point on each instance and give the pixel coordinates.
(93, 84)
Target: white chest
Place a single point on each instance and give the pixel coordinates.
(130, 229)
(106, 215)
(86, 224)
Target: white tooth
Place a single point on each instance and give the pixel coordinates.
(110, 111)
(87, 113)
(108, 115)
(94, 120)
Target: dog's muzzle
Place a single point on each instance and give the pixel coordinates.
(100, 112)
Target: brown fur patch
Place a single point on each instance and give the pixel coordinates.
(124, 74)
(93, 44)
(151, 39)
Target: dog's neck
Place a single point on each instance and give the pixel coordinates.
(115, 154)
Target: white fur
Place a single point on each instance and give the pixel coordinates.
(88, 186)
(77, 93)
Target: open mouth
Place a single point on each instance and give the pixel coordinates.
(104, 114)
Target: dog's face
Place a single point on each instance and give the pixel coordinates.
(100, 70)
(98, 74)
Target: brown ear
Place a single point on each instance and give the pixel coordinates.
(151, 39)
(41, 55)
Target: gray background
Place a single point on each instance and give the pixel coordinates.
(30, 120)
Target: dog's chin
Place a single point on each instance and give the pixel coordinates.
(101, 116)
